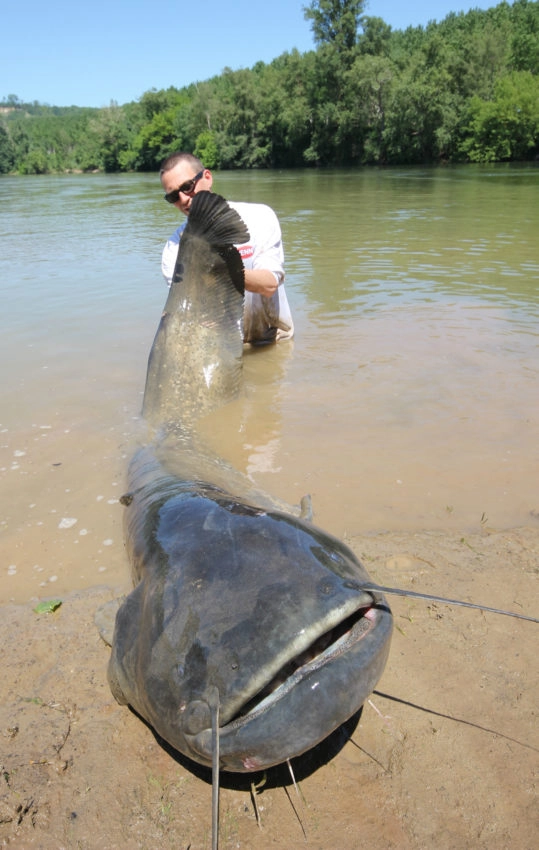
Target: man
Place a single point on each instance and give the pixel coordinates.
(267, 315)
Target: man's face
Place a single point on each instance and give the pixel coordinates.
(179, 178)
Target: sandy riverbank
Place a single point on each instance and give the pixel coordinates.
(443, 754)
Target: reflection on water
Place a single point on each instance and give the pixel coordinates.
(407, 400)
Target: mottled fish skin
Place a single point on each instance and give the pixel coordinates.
(196, 359)
(232, 593)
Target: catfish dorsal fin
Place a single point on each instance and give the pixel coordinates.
(211, 218)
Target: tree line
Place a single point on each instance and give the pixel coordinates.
(465, 89)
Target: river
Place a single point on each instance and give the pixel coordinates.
(408, 399)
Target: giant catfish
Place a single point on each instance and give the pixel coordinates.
(237, 602)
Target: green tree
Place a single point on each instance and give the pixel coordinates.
(153, 142)
(507, 127)
(422, 117)
(325, 84)
(335, 25)
(375, 40)
(293, 104)
(206, 149)
(7, 151)
(35, 162)
(524, 41)
(111, 139)
(335, 22)
(369, 88)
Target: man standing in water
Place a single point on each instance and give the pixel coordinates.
(267, 316)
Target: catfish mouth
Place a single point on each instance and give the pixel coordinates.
(332, 643)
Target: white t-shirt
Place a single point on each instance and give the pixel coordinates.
(264, 319)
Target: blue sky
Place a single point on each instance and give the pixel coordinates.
(91, 54)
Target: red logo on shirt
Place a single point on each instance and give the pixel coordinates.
(246, 251)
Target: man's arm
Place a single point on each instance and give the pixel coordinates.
(262, 281)
(266, 270)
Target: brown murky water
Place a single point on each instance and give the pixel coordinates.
(407, 401)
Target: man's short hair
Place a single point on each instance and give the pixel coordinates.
(173, 159)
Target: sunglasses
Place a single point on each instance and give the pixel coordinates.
(186, 188)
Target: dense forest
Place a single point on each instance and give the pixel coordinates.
(465, 89)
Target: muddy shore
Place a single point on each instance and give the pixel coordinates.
(443, 754)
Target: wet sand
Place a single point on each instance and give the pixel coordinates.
(443, 754)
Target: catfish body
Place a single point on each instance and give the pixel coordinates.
(232, 595)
